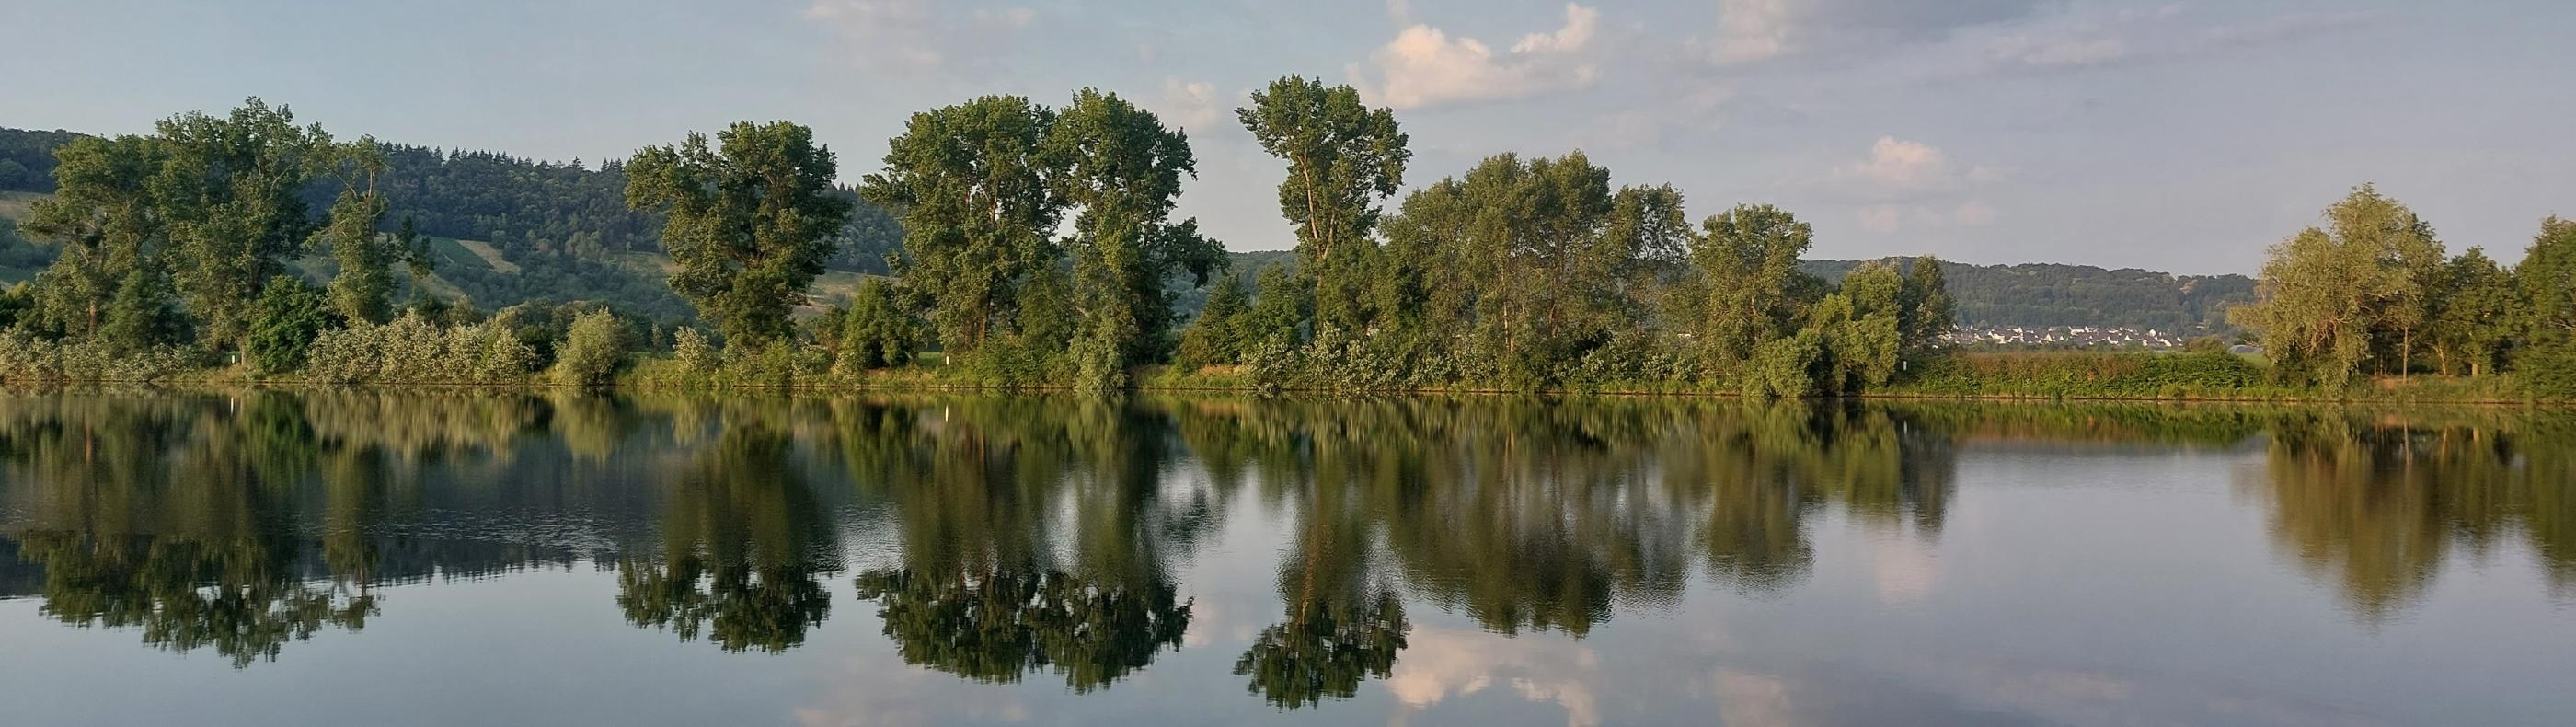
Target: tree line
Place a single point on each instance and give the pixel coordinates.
(2373, 292)
(1040, 248)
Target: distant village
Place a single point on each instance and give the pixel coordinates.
(1992, 336)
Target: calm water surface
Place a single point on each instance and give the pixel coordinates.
(261, 558)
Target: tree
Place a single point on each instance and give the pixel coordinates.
(142, 315)
(1929, 312)
(104, 216)
(291, 314)
(875, 331)
(1528, 266)
(750, 223)
(1214, 338)
(1123, 170)
(2329, 299)
(2472, 313)
(1746, 281)
(2403, 245)
(2548, 280)
(971, 185)
(363, 289)
(231, 195)
(1342, 158)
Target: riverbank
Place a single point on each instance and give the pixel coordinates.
(2200, 377)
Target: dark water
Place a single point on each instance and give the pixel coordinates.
(263, 558)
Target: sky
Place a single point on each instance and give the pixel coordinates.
(2178, 136)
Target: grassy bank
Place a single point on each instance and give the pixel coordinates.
(2038, 376)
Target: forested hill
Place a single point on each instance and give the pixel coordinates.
(2048, 294)
(512, 230)
(507, 229)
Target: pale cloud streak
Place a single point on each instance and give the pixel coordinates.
(1759, 30)
(1425, 66)
(912, 34)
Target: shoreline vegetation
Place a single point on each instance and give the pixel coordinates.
(1041, 250)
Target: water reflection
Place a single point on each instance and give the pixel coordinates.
(1004, 539)
(744, 544)
(2380, 505)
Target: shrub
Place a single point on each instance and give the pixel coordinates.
(290, 314)
(30, 360)
(693, 351)
(594, 348)
(411, 349)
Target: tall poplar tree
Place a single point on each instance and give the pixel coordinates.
(1343, 157)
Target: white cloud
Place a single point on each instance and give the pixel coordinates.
(1902, 164)
(911, 34)
(1752, 30)
(1440, 662)
(1425, 66)
(1190, 105)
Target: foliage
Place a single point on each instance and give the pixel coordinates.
(291, 315)
(873, 332)
(26, 360)
(750, 223)
(593, 349)
(2351, 295)
(413, 350)
(971, 184)
(1342, 158)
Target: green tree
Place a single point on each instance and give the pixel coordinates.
(1342, 158)
(876, 331)
(2472, 313)
(291, 314)
(1929, 312)
(2331, 299)
(104, 216)
(1745, 287)
(142, 315)
(231, 196)
(1123, 170)
(1214, 338)
(2547, 277)
(972, 186)
(750, 222)
(363, 289)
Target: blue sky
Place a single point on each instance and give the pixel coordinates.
(2180, 136)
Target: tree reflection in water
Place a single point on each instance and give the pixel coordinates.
(744, 543)
(1048, 535)
(976, 487)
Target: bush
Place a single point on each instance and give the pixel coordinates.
(25, 360)
(594, 348)
(693, 351)
(875, 332)
(290, 315)
(411, 349)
